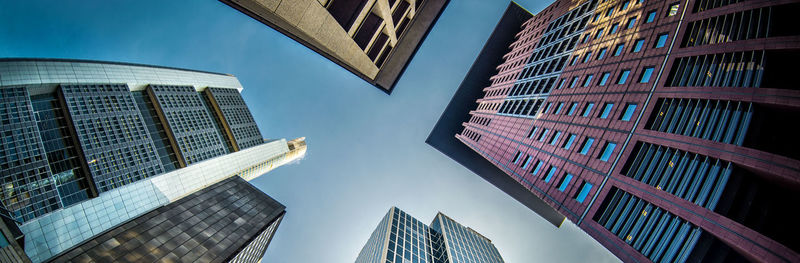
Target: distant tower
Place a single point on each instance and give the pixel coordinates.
(401, 238)
(663, 129)
(87, 146)
(374, 39)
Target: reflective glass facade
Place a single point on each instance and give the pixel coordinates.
(401, 238)
(684, 152)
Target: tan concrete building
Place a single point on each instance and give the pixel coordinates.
(374, 39)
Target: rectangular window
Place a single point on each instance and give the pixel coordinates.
(628, 113)
(568, 142)
(555, 138)
(618, 49)
(661, 41)
(564, 182)
(596, 17)
(587, 57)
(623, 77)
(558, 109)
(637, 46)
(574, 60)
(588, 80)
(574, 82)
(646, 73)
(603, 79)
(533, 131)
(614, 28)
(607, 150)
(585, 188)
(602, 53)
(547, 109)
(609, 12)
(651, 16)
(550, 173)
(599, 34)
(516, 157)
(537, 167)
(572, 108)
(624, 5)
(587, 109)
(606, 110)
(587, 144)
(631, 22)
(673, 9)
(526, 162)
(543, 135)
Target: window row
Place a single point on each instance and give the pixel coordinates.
(569, 16)
(736, 69)
(737, 26)
(586, 111)
(474, 136)
(716, 120)
(488, 105)
(638, 45)
(480, 120)
(703, 5)
(584, 148)
(535, 168)
(539, 86)
(622, 78)
(526, 107)
(554, 65)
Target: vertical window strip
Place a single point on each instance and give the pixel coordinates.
(720, 121)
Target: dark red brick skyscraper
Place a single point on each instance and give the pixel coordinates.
(664, 129)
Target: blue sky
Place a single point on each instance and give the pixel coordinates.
(366, 149)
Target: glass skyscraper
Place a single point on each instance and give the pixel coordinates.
(88, 145)
(401, 238)
(660, 128)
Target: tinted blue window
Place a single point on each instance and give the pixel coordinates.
(516, 157)
(637, 46)
(604, 79)
(574, 82)
(587, 57)
(602, 53)
(572, 108)
(527, 162)
(631, 22)
(584, 192)
(550, 174)
(588, 109)
(569, 141)
(547, 109)
(624, 5)
(558, 109)
(646, 73)
(606, 110)
(629, 109)
(623, 76)
(565, 182)
(588, 80)
(614, 28)
(555, 137)
(651, 16)
(537, 167)
(662, 40)
(587, 145)
(599, 34)
(543, 135)
(607, 150)
(618, 49)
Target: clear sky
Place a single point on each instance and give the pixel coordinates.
(367, 150)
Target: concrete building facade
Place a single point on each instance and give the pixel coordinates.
(652, 125)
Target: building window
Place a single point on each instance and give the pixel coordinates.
(614, 28)
(581, 195)
(637, 46)
(537, 167)
(572, 108)
(564, 182)
(673, 9)
(555, 138)
(587, 144)
(607, 150)
(623, 77)
(526, 162)
(568, 142)
(533, 131)
(588, 80)
(624, 5)
(603, 79)
(574, 82)
(574, 60)
(596, 17)
(599, 34)
(631, 22)
(516, 157)
(628, 113)
(609, 12)
(661, 41)
(587, 109)
(550, 173)
(618, 49)
(543, 135)
(558, 109)
(602, 53)
(586, 38)
(587, 57)
(547, 109)
(646, 73)
(651, 16)
(606, 110)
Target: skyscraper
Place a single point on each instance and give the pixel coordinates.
(374, 39)
(400, 237)
(652, 125)
(89, 145)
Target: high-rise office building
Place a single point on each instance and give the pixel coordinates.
(374, 39)
(655, 126)
(90, 145)
(400, 238)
